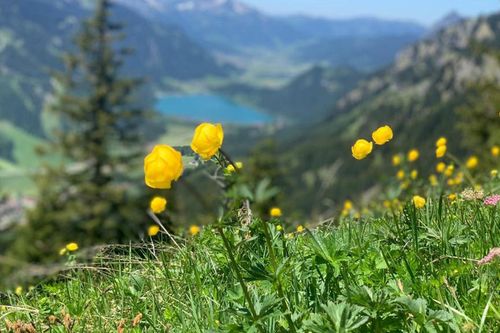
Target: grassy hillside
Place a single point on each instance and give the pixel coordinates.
(411, 270)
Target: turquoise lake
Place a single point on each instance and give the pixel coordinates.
(210, 108)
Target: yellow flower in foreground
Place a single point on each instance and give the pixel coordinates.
(495, 151)
(413, 155)
(494, 173)
(396, 160)
(18, 291)
(300, 228)
(162, 166)
(441, 142)
(452, 197)
(275, 212)
(440, 151)
(472, 162)
(158, 205)
(207, 140)
(72, 247)
(194, 230)
(414, 174)
(400, 175)
(382, 135)
(361, 149)
(153, 230)
(440, 167)
(418, 201)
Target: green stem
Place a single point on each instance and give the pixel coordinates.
(279, 286)
(236, 270)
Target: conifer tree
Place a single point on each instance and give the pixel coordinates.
(90, 197)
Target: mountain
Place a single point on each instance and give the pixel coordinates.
(452, 18)
(306, 98)
(33, 33)
(420, 96)
(230, 26)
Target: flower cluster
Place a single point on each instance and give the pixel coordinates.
(164, 165)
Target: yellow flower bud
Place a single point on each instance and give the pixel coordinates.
(396, 160)
(361, 149)
(413, 155)
(494, 173)
(440, 167)
(440, 151)
(158, 205)
(418, 201)
(452, 197)
(441, 142)
(72, 247)
(348, 205)
(279, 227)
(275, 212)
(449, 170)
(433, 180)
(153, 230)
(400, 175)
(194, 230)
(414, 174)
(162, 166)
(300, 228)
(495, 151)
(382, 135)
(472, 162)
(207, 140)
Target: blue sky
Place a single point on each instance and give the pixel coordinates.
(423, 11)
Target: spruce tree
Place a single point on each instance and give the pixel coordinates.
(90, 197)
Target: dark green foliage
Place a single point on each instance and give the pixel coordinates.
(90, 199)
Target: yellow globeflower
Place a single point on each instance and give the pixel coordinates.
(72, 247)
(194, 230)
(279, 227)
(495, 151)
(449, 170)
(348, 205)
(158, 205)
(396, 160)
(441, 142)
(230, 168)
(440, 151)
(494, 173)
(207, 140)
(18, 291)
(62, 251)
(440, 167)
(414, 174)
(418, 201)
(275, 212)
(361, 149)
(433, 180)
(472, 162)
(413, 155)
(452, 197)
(153, 230)
(382, 135)
(162, 166)
(400, 175)
(300, 228)
(239, 165)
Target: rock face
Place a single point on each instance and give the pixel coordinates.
(12, 211)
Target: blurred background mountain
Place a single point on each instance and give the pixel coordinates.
(293, 91)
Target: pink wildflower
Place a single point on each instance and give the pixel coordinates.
(492, 200)
(494, 252)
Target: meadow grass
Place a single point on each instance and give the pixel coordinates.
(410, 270)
